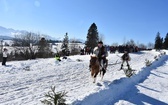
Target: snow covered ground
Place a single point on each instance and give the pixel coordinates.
(26, 82)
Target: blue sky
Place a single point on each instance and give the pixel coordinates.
(117, 20)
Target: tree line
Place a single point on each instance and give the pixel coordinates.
(32, 45)
(160, 42)
(93, 37)
(28, 46)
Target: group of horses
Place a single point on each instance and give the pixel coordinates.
(97, 67)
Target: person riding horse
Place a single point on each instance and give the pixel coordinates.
(101, 52)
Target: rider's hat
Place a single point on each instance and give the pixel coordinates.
(100, 42)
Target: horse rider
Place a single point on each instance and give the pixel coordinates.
(125, 57)
(101, 52)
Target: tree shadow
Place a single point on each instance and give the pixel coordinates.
(141, 99)
(136, 97)
(140, 52)
(157, 75)
(149, 88)
(162, 72)
(119, 88)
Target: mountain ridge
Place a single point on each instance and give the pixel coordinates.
(9, 33)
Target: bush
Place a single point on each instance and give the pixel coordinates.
(54, 98)
(148, 63)
(155, 57)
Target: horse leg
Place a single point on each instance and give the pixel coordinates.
(95, 75)
(94, 80)
(92, 73)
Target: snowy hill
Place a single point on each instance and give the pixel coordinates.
(9, 32)
(26, 82)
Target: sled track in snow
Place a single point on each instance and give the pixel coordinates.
(116, 87)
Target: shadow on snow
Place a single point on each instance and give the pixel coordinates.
(118, 89)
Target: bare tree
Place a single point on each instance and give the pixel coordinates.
(74, 46)
(25, 39)
(124, 41)
(131, 42)
(142, 46)
(150, 45)
(101, 37)
(23, 45)
(1, 45)
(115, 44)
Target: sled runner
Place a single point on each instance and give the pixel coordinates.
(128, 72)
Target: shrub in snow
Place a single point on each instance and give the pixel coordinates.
(164, 53)
(27, 68)
(79, 60)
(54, 98)
(156, 57)
(147, 62)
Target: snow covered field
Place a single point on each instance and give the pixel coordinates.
(26, 82)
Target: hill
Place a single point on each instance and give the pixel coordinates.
(26, 82)
(9, 32)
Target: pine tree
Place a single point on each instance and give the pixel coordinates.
(158, 42)
(55, 98)
(166, 42)
(92, 37)
(65, 43)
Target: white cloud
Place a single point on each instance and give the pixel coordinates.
(37, 3)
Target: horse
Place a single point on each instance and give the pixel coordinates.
(95, 67)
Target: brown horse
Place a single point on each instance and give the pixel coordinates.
(95, 67)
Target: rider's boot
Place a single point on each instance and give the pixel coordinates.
(128, 66)
(121, 66)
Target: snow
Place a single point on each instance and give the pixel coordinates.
(26, 82)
